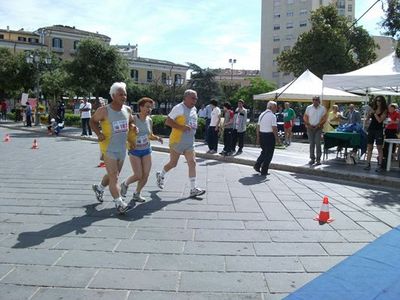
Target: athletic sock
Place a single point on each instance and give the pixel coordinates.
(192, 182)
(101, 187)
(163, 172)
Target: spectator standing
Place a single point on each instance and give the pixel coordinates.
(228, 130)
(239, 127)
(60, 112)
(314, 119)
(352, 116)
(375, 131)
(85, 108)
(28, 114)
(288, 122)
(213, 129)
(391, 130)
(209, 110)
(266, 137)
(333, 120)
(4, 110)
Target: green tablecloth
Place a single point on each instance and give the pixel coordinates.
(343, 139)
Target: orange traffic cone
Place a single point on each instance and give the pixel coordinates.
(101, 165)
(7, 138)
(35, 145)
(324, 212)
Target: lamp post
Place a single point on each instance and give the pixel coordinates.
(36, 59)
(232, 61)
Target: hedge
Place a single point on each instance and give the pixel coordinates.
(160, 128)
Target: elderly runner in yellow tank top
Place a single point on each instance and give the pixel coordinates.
(115, 120)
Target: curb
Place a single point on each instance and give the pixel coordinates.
(390, 182)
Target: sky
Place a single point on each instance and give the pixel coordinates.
(205, 32)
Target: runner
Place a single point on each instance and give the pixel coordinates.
(115, 120)
(139, 149)
(183, 121)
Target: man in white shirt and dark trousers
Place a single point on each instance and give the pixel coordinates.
(239, 123)
(85, 108)
(267, 136)
(314, 120)
(213, 129)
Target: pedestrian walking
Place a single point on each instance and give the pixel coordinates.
(28, 114)
(115, 120)
(239, 127)
(314, 120)
(183, 121)
(4, 108)
(213, 129)
(288, 122)
(209, 109)
(266, 137)
(86, 108)
(139, 149)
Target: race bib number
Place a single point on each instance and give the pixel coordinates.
(142, 140)
(120, 126)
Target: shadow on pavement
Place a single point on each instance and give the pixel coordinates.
(78, 224)
(253, 179)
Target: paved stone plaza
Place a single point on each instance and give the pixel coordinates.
(247, 238)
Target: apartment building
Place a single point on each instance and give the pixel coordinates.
(282, 22)
(234, 76)
(19, 40)
(147, 70)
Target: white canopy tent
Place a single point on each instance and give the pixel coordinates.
(381, 77)
(304, 88)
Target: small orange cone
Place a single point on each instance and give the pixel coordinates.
(101, 165)
(35, 145)
(7, 138)
(323, 216)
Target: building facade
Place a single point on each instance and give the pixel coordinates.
(233, 76)
(19, 40)
(282, 21)
(148, 70)
(386, 44)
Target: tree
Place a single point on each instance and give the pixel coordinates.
(329, 47)
(257, 86)
(203, 81)
(7, 72)
(96, 67)
(391, 22)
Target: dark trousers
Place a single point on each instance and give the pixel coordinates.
(212, 138)
(206, 130)
(228, 134)
(86, 127)
(267, 143)
(237, 137)
(29, 120)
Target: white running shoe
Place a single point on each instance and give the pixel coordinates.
(124, 189)
(138, 197)
(99, 194)
(160, 180)
(121, 206)
(196, 192)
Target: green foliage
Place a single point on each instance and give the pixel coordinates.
(203, 81)
(159, 126)
(11, 116)
(72, 120)
(96, 67)
(391, 22)
(250, 135)
(201, 127)
(329, 47)
(228, 90)
(257, 86)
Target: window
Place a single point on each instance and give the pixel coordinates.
(276, 38)
(303, 23)
(286, 48)
(350, 8)
(289, 37)
(76, 43)
(135, 75)
(274, 62)
(164, 78)
(289, 25)
(277, 3)
(303, 12)
(57, 43)
(289, 14)
(33, 40)
(22, 39)
(341, 4)
(277, 27)
(277, 15)
(149, 76)
(1, 36)
(275, 50)
(178, 79)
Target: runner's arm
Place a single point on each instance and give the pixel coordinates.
(98, 116)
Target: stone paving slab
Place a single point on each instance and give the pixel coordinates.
(247, 238)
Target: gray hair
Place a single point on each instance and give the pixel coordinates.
(270, 104)
(117, 86)
(189, 92)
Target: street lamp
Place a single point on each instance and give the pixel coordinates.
(36, 59)
(232, 61)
